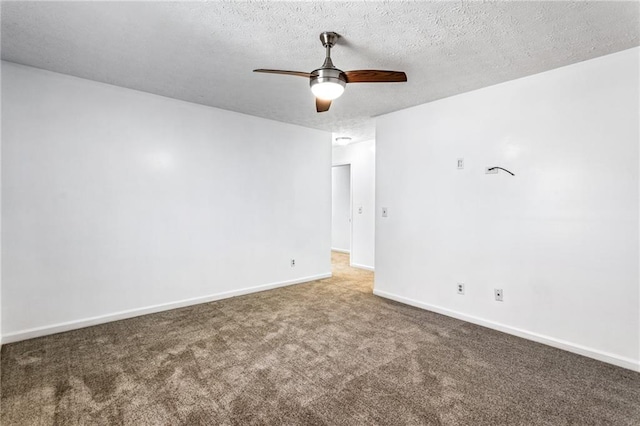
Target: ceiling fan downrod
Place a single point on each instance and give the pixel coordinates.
(328, 39)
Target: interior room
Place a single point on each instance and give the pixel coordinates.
(320, 212)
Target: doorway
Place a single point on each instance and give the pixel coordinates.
(341, 209)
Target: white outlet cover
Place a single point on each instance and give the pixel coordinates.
(460, 288)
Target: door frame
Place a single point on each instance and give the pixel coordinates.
(350, 205)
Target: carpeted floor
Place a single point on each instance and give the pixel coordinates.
(326, 352)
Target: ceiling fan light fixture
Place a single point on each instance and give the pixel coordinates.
(327, 90)
(327, 83)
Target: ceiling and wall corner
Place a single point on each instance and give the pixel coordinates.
(204, 52)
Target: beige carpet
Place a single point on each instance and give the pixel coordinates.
(327, 352)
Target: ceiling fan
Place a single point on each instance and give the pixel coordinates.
(328, 82)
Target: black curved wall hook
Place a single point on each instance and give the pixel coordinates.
(493, 168)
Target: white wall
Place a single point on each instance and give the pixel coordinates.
(341, 208)
(115, 201)
(361, 156)
(560, 238)
(0, 227)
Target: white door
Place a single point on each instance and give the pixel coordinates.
(341, 208)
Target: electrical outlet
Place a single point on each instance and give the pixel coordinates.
(460, 288)
(498, 293)
(461, 163)
(490, 172)
(293, 263)
(360, 210)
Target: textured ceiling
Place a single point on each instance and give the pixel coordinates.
(204, 52)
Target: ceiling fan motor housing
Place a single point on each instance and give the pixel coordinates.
(322, 76)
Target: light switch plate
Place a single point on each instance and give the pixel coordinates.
(385, 212)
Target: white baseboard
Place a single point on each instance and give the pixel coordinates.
(17, 336)
(607, 357)
(368, 268)
(341, 250)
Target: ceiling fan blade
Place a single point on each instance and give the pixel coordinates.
(375, 76)
(322, 105)
(297, 73)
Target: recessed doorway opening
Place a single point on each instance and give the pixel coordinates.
(341, 220)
